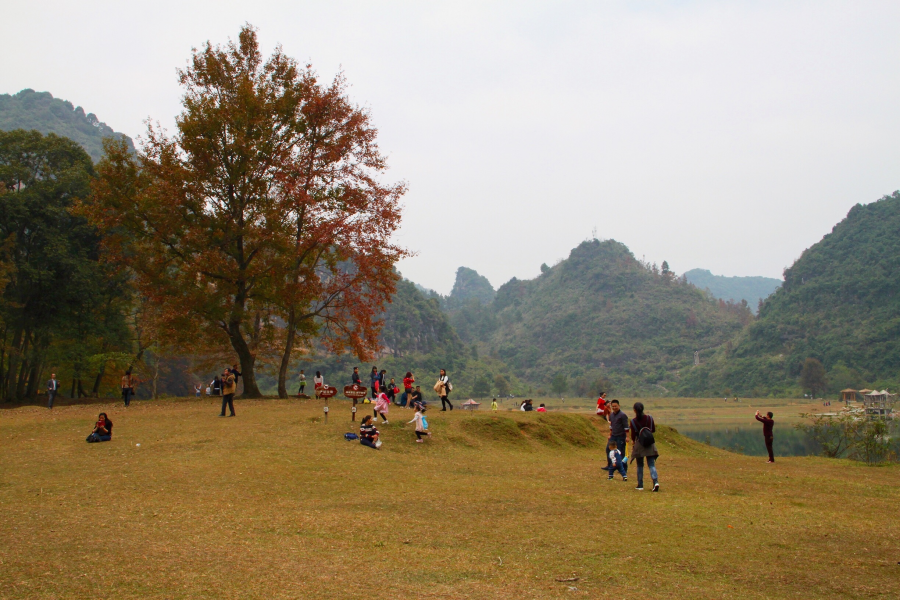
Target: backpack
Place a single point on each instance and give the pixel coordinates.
(350, 437)
(645, 436)
(424, 422)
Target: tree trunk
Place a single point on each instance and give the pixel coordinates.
(95, 392)
(23, 370)
(248, 361)
(286, 357)
(81, 392)
(33, 379)
(14, 356)
(155, 376)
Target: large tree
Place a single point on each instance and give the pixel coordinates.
(261, 218)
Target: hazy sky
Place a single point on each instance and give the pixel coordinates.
(723, 135)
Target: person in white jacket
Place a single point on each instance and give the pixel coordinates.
(421, 427)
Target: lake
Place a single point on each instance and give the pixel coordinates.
(749, 440)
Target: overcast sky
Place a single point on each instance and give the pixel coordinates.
(726, 136)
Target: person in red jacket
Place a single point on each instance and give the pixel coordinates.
(768, 424)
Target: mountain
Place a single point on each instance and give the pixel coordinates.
(751, 289)
(840, 304)
(41, 111)
(470, 285)
(600, 319)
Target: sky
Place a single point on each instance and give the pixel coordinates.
(721, 135)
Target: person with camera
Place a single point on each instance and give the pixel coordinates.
(229, 387)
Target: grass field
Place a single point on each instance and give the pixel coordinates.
(275, 504)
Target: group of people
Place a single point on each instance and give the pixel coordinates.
(643, 445)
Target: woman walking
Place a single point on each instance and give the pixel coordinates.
(421, 424)
(444, 389)
(318, 383)
(408, 382)
(381, 407)
(643, 445)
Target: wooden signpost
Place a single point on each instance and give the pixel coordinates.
(355, 392)
(326, 391)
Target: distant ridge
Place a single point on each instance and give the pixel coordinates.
(41, 111)
(751, 289)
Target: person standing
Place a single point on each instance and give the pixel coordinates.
(354, 379)
(618, 429)
(197, 389)
(127, 387)
(229, 386)
(52, 388)
(768, 425)
(391, 391)
(373, 383)
(444, 390)
(318, 383)
(408, 382)
(216, 384)
(302, 383)
(494, 404)
(643, 445)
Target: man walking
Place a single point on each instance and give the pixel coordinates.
(618, 429)
(768, 424)
(228, 388)
(127, 387)
(52, 388)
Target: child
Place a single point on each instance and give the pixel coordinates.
(618, 464)
(421, 424)
(368, 433)
(542, 408)
(494, 404)
(381, 407)
(302, 383)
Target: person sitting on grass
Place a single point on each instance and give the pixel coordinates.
(617, 461)
(368, 433)
(542, 408)
(421, 424)
(382, 405)
(102, 430)
(417, 401)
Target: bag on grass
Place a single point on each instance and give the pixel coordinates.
(91, 438)
(350, 437)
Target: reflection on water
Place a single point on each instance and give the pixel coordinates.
(749, 440)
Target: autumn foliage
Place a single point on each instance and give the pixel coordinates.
(262, 222)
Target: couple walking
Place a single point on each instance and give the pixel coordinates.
(643, 444)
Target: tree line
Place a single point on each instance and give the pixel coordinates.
(260, 230)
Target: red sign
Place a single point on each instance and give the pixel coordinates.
(326, 391)
(355, 391)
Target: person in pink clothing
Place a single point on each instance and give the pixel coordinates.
(542, 408)
(381, 407)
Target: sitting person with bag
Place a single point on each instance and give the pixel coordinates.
(368, 433)
(102, 430)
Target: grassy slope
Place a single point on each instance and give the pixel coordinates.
(275, 504)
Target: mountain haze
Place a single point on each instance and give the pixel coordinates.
(751, 289)
(42, 112)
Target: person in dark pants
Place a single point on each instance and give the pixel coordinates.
(127, 387)
(618, 430)
(368, 433)
(374, 382)
(228, 388)
(639, 452)
(52, 388)
(354, 379)
(444, 392)
(768, 424)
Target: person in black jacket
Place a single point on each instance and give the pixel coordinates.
(354, 379)
(368, 433)
(102, 430)
(768, 425)
(52, 388)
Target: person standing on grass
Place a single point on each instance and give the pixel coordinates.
(616, 462)
(128, 384)
(198, 389)
(318, 383)
(643, 445)
(354, 379)
(408, 382)
(618, 429)
(768, 424)
(216, 385)
(374, 383)
(382, 404)
(52, 389)
(444, 389)
(368, 433)
(229, 386)
(391, 391)
(302, 383)
(421, 424)
(494, 404)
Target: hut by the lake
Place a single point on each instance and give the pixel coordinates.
(879, 404)
(471, 405)
(848, 395)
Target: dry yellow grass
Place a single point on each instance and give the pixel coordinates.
(275, 504)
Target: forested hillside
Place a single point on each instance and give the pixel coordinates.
(600, 319)
(751, 289)
(470, 285)
(42, 112)
(839, 304)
